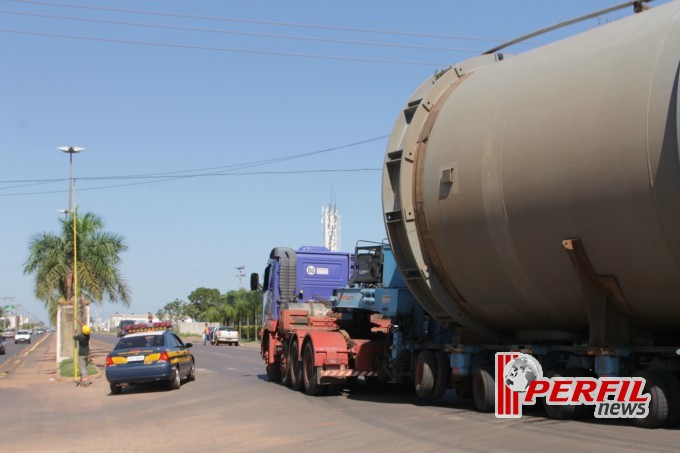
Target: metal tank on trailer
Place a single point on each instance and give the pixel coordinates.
(538, 194)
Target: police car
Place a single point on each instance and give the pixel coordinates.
(148, 355)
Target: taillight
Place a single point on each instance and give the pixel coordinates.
(164, 357)
(109, 361)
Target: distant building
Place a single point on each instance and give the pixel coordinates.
(118, 317)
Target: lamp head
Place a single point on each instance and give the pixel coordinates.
(71, 149)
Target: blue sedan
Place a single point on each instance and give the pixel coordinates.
(150, 356)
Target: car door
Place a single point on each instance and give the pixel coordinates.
(183, 355)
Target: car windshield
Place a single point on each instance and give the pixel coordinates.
(22, 332)
(145, 341)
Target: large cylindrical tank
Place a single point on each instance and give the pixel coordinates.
(498, 160)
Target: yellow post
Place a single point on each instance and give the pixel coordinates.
(75, 286)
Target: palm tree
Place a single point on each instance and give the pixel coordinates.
(227, 313)
(97, 252)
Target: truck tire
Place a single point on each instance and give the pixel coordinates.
(441, 378)
(425, 372)
(483, 390)
(674, 398)
(285, 370)
(274, 371)
(661, 394)
(295, 366)
(309, 372)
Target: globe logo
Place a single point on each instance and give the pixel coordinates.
(521, 371)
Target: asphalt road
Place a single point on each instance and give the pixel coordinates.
(11, 350)
(232, 407)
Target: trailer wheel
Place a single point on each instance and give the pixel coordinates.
(661, 410)
(425, 372)
(295, 366)
(441, 380)
(674, 398)
(566, 412)
(312, 388)
(483, 390)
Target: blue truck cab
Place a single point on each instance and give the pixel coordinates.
(310, 273)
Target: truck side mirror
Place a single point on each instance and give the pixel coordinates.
(254, 281)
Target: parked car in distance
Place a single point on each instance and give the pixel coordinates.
(122, 325)
(9, 333)
(22, 336)
(224, 334)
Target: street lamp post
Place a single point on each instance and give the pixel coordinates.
(65, 212)
(71, 150)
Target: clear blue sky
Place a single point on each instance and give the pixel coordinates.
(191, 102)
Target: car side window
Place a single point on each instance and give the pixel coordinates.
(179, 341)
(170, 341)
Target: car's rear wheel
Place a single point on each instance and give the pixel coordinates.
(176, 380)
(116, 389)
(192, 372)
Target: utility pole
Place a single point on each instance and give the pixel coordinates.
(241, 274)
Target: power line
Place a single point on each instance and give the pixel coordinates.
(262, 22)
(242, 33)
(224, 170)
(238, 166)
(155, 181)
(220, 49)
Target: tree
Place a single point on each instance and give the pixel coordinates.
(174, 312)
(98, 255)
(254, 302)
(201, 300)
(228, 314)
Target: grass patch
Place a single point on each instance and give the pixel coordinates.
(66, 368)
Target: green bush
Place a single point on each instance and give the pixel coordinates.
(248, 332)
(66, 368)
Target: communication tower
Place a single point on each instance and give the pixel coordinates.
(330, 221)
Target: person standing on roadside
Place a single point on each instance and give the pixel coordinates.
(83, 339)
(206, 333)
